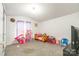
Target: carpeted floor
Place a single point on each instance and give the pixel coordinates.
(34, 48)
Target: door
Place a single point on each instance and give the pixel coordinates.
(1, 30)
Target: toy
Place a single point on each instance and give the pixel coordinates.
(28, 35)
(51, 40)
(41, 37)
(64, 42)
(20, 39)
(57, 42)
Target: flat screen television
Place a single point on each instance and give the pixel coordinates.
(74, 37)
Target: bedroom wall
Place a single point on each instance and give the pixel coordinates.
(60, 27)
(11, 27)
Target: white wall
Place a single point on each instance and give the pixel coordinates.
(60, 27)
(11, 27)
(1, 29)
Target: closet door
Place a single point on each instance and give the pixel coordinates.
(4, 32)
(1, 30)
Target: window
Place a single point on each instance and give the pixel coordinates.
(22, 27)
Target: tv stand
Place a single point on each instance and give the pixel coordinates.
(68, 51)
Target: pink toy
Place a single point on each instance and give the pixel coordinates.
(29, 35)
(57, 42)
(20, 39)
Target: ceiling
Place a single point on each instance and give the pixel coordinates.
(47, 10)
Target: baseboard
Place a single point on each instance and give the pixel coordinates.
(11, 42)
